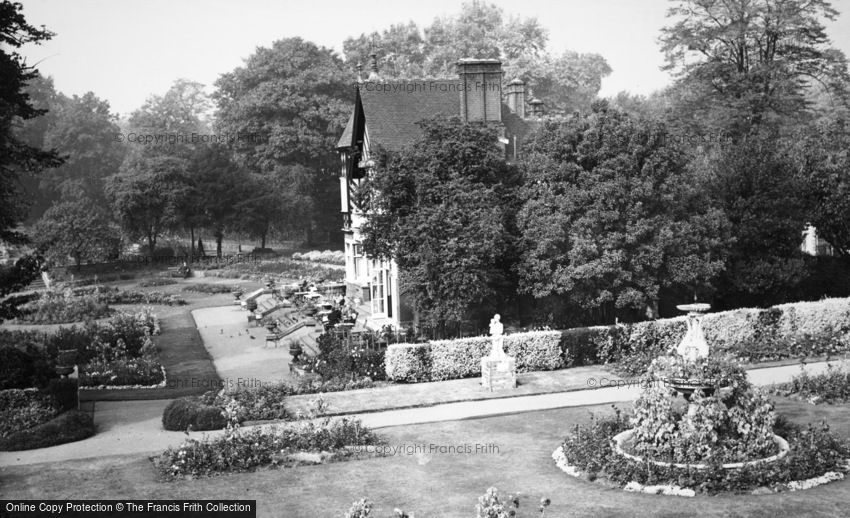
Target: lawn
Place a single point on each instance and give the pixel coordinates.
(515, 458)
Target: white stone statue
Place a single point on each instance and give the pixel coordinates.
(496, 330)
(693, 345)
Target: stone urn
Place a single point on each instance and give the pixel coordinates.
(65, 362)
(251, 305)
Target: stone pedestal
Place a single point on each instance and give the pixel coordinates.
(498, 373)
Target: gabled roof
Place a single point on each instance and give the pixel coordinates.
(392, 109)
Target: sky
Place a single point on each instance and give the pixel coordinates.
(125, 51)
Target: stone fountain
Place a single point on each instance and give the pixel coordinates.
(692, 352)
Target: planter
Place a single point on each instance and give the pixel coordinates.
(687, 387)
(622, 438)
(65, 361)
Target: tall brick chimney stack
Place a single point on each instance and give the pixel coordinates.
(481, 91)
(515, 97)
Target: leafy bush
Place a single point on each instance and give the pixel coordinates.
(408, 362)
(813, 452)
(340, 357)
(833, 386)
(240, 450)
(145, 297)
(19, 369)
(260, 403)
(184, 412)
(206, 287)
(67, 427)
(461, 358)
(24, 408)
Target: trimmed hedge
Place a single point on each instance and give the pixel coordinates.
(68, 427)
(461, 358)
(181, 413)
(795, 330)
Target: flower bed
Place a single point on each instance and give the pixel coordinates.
(206, 287)
(242, 450)
(114, 365)
(24, 408)
(813, 452)
(60, 307)
(327, 257)
(285, 268)
(69, 426)
(831, 387)
(461, 358)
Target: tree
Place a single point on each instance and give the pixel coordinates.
(824, 168)
(77, 228)
(145, 193)
(565, 82)
(754, 181)
(83, 129)
(745, 63)
(16, 157)
(287, 106)
(442, 208)
(612, 216)
(273, 201)
(215, 187)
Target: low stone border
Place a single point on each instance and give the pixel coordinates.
(161, 384)
(621, 438)
(673, 490)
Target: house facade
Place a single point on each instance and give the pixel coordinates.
(385, 115)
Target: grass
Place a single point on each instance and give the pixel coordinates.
(439, 484)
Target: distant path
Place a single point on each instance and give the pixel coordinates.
(134, 427)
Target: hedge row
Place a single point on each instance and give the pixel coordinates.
(797, 330)
(461, 358)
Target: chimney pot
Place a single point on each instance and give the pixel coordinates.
(515, 97)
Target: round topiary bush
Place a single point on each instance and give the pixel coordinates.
(183, 412)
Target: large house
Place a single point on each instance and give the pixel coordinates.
(385, 115)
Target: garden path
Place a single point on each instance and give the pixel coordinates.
(134, 427)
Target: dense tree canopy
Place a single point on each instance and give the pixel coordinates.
(287, 106)
(742, 63)
(76, 228)
(612, 215)
(565, 81)
(16, 156)
(442, 208)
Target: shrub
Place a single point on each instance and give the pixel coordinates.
(461, 358)
(260, 403)
(24, 408)
(341, 357)
(184, 412)
(408, 362)
(67, 427)
(19, 369)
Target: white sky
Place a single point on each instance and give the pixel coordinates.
(124, 51)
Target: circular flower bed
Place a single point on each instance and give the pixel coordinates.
(815, 456)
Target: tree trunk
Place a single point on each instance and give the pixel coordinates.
(191, 245)
(219, 236)
(151, 245)
(263, 241)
